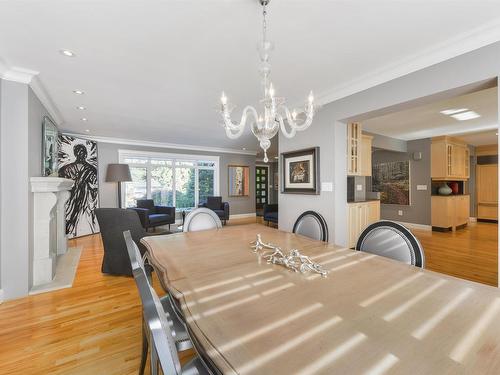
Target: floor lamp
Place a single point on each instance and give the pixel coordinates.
(118, 173)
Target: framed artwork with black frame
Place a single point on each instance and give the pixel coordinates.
(49, 147)
(300, 171)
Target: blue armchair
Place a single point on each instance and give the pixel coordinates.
(271, 213)
(153, 216)
(218, 206)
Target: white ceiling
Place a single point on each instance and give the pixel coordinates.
(154, 70)
(427, 121)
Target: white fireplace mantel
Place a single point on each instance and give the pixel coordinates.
(49, 225)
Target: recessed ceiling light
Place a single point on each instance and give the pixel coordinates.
(464, 116)
(87, 130)
(244, 148)
(81, 108)
(67, 53)
(452, 111)
(84, 119)
(78, 92)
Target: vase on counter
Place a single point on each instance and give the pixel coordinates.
(444, 189)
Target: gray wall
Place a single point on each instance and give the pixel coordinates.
(15, 189)
(329, 131)
(320, 133)
(419, 210)
(387, 143)
(21, 115)
(108, 153)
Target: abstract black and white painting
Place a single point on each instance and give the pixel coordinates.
(78, 162)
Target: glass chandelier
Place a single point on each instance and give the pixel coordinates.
(275, 115)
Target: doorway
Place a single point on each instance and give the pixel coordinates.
(261, 187)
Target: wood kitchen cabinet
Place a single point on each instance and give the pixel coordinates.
(353, 149)
(450, 211)
(449, 159)
(487, 191)
(360, 215)
(366, 155)
(359, 151)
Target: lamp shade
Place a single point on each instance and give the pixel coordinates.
(118, 173)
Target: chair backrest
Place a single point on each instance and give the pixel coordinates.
(392, 240)
(163, 342)
(136, 260)
(311, 224)
(112, 223)
(201, 219)
(146, 203)
(214, 203)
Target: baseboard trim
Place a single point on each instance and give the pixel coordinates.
(1, 295)
(416, 226)
(242, 216)
(473, 219)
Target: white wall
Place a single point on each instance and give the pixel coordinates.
(479, 65)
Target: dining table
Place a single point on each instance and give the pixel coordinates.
(369, 315)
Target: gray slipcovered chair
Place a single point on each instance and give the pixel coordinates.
(153, 216)
(392, 240)
(113, 222)
(201, 219)
(177, 327)
(218, 206)
(311, 224)
(271, 213)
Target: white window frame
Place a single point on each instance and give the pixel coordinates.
(123, 154)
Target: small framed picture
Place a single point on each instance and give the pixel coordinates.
(300, 171)
(49, 147)
(239, 178)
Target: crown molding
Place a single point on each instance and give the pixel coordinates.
(30, 77)
(482, 36)
(46, 100)
(17, 74)
(176, 146)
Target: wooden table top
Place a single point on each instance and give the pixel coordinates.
(370, 315)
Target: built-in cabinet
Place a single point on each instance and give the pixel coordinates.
(487, 191)
(450, 212)
(360, 215)
(359, 151)
(449, 159)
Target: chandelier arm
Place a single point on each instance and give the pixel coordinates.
(285, 132)
(230, 125)
(293, 124)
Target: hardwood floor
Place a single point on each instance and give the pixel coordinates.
(470, 253)
(94, 327)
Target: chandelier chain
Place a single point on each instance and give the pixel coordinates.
(264, 24)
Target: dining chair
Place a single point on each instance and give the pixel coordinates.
(201, 219)
(163, 345)
(178, 327)
(392, 240)
(311, 224)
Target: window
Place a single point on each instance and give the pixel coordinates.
(182, 181)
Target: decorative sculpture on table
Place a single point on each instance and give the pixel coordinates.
(294, 260)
